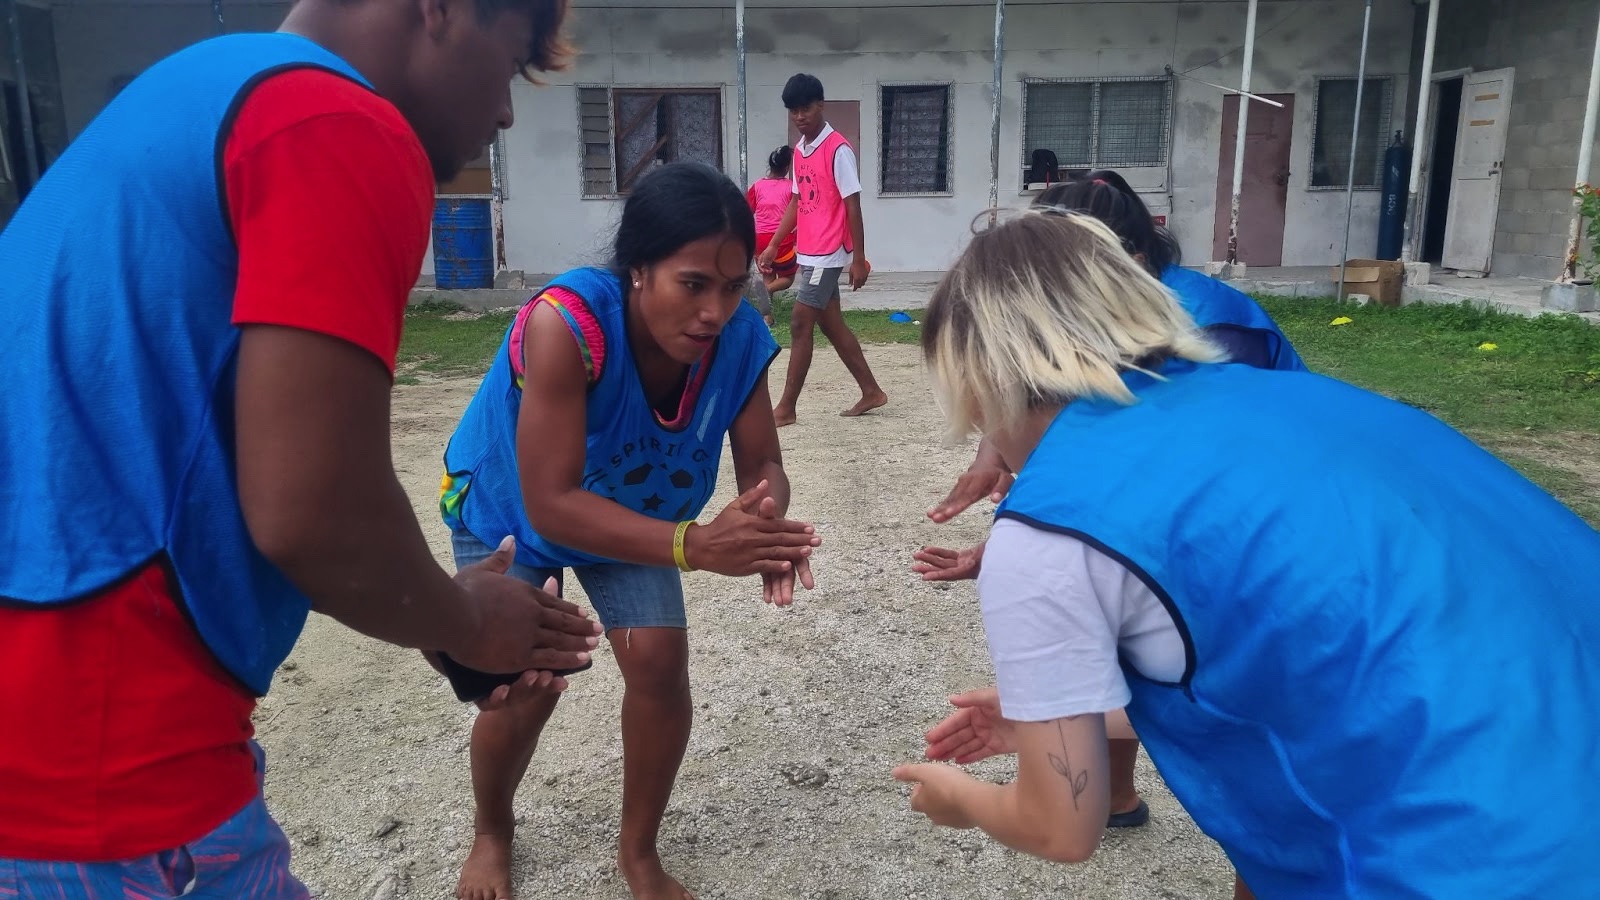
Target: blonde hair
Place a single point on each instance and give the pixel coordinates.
(1042, 309)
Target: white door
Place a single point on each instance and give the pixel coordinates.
(1475, 185)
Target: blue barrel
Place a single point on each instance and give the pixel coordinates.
(1392, 215)
(463, 244)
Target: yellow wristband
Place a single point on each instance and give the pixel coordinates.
(677, 547)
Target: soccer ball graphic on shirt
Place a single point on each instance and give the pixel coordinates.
(657, 489)
(808, 191)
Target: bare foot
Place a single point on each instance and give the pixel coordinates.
(487, 872)
(866, 404)
(783, 416)
(648, 881)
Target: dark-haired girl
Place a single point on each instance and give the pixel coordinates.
(769, 199)
(595, 440)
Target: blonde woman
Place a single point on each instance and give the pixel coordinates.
(1341, 629)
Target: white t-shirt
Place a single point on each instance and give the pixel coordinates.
(1057, 613)
(846, 176)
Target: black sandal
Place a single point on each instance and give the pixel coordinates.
(1133, 818)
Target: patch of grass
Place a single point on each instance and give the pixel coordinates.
(444, 339)
(872, 326)
(1429, 356)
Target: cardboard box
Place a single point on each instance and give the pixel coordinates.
(1380, 279)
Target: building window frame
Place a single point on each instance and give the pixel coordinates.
(1097, 82)
(617, 181)
(1378, 135)
(886, 87)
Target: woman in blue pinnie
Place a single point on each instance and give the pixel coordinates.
(595, 441)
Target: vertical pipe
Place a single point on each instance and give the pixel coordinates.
(1355, 143)
(496, 204)
(1238, 138)
(744, 122)
(1419, 142)
(1585, 159)
(994, 110)
(30, 155)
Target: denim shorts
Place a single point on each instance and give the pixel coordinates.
(623, 595)
(246, 856)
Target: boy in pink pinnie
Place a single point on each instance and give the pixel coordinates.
(825, 214)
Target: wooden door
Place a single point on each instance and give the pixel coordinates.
(1475, 181)
(1264, 194)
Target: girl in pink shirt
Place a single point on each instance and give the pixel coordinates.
(769, 199)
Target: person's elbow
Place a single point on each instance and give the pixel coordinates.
(1068, 846)
(549, 512)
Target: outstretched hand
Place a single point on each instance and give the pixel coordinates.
(986, 477)
(777, 588)
(942, 564)
(975, 731)
(741, 540)
(519, 627)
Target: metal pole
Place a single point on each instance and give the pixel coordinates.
(1355, 142)
(1238, 138)
(1585, 159)
(30, 154)
(1424, 99)
(994, 110)
(496, 204)
(744, 129)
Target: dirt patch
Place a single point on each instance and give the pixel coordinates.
(367, 747)
(1570, 463)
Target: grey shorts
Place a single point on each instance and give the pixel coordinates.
(816, 287)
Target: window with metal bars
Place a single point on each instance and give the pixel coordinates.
(1105, 123)
(626, 132)
(915, 141)
(1330, 138)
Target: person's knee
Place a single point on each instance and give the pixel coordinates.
(801, 322)
(654, 661)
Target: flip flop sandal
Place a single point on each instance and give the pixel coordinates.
(1133, 818)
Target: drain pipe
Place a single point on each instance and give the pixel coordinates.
(1585, 159)
(30, 155)
(1355, 143)
(497, 204)
(1424, 99)
(744, 122)
(994, 110)
(1239, 135)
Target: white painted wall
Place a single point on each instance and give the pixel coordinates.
(549, 226)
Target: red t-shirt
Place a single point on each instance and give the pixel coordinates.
(120, 734)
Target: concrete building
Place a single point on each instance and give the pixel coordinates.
(1129, 84)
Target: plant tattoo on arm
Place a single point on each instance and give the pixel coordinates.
(1063, 766)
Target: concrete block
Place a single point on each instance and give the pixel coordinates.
(1569, 297)
(1514, 179)
(1551, 178)
(1418, 274)
(1558, 134)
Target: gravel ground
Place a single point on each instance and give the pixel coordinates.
(800, 713)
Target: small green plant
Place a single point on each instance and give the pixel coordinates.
(1589, 212)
